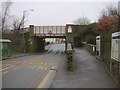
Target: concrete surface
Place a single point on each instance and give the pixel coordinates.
(89, 73)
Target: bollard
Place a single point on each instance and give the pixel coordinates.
(69, 60)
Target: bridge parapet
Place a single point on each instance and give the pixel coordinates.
(49, 31)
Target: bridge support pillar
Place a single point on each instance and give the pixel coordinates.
(69, 35)
(40, 44)
(32, 39)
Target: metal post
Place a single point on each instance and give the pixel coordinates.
(23, 33)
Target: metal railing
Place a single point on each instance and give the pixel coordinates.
(91, 48)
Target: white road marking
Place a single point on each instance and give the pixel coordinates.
(7, 68)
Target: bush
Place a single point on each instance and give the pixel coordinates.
(90, 39)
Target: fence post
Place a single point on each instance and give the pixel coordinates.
(105, 47)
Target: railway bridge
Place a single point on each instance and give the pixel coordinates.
(37, 35)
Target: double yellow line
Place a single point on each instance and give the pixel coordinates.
(44, 81)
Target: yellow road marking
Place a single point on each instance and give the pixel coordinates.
(31, 67)
(34, 67)
(45, 63)
(37, 67)
(38, 63)
(14, 68)
(40, 67)
(6, 61)
(6, 64)
(5, 72)
(45, 68)
(44, 81)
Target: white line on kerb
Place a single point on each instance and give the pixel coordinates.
(7, 68)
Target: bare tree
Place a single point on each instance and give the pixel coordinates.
(5, 14)
(81, 21)
(18, 25)
(19, 28)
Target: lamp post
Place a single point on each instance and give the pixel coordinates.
(23, 37)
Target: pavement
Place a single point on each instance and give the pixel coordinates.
(88, 73)
(21, 55)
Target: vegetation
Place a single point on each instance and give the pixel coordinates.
(15, 52)
(108, 19)
(5, 17)
(88, 34)
(85, 33)
(13, 28)
(107, 24)
(81, 21)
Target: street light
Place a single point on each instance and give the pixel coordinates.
(23, 29)
(26, 11)
(24, 16)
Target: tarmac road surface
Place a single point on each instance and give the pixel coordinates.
(33, 71)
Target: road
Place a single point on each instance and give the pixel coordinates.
(34, 71)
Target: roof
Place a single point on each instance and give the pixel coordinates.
(5, 40)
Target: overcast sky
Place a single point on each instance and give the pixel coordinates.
(59, 13)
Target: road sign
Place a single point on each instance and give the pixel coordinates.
(69, 29)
